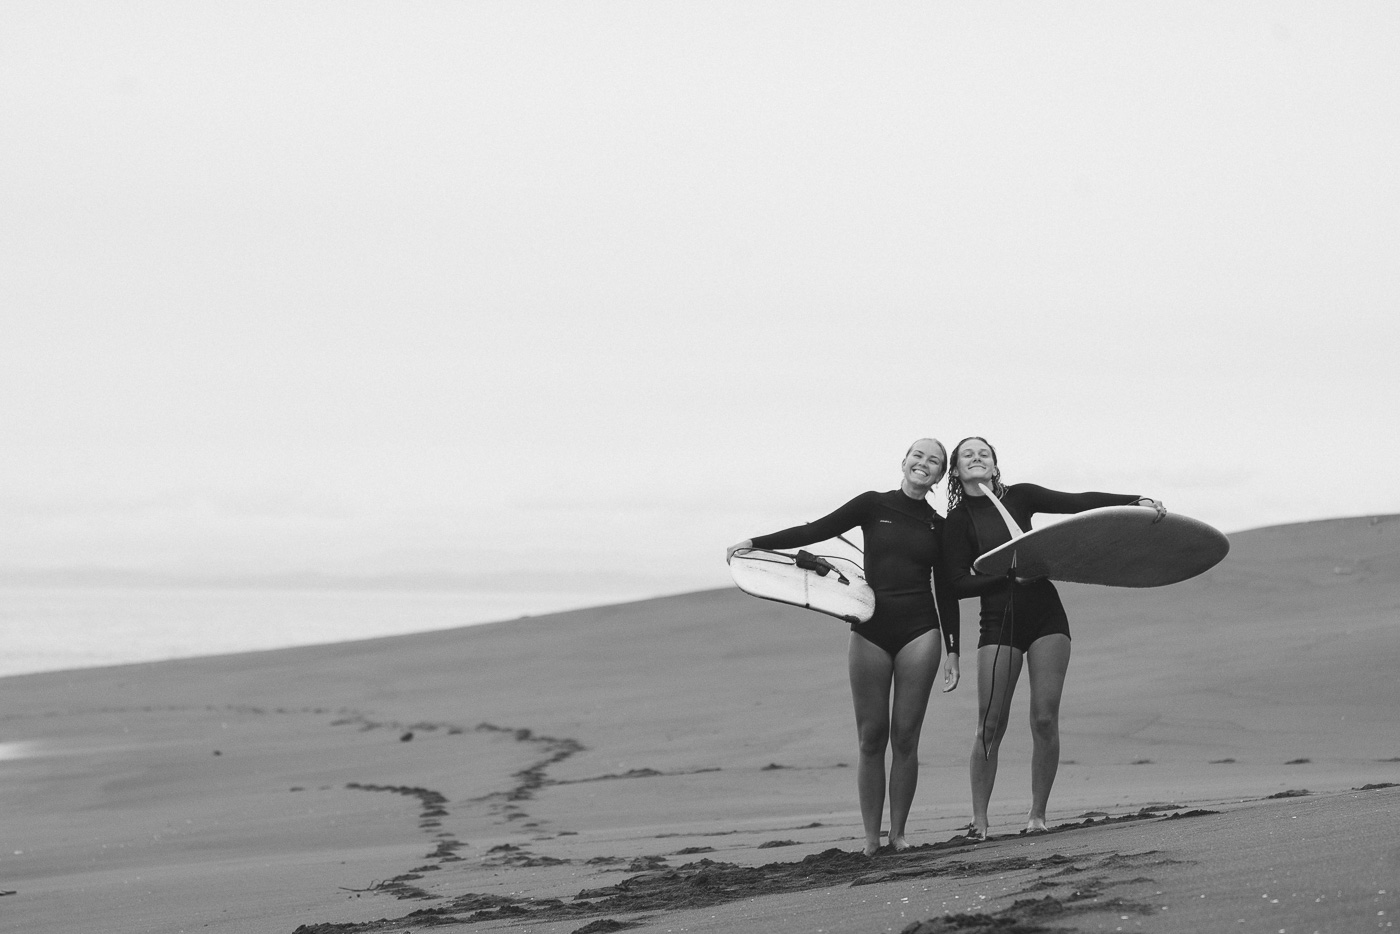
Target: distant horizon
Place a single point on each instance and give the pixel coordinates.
(57, 622)
(501, 584)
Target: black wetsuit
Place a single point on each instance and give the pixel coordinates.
(903, 545)
(974, 527)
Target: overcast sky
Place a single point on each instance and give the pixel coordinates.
(565, 295)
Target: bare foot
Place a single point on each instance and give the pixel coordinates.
(1036, 825)
(871, 848)
(976, 834)
(898, 843)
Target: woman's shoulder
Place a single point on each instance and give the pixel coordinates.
(899, 498)
(898, 502)
(861, 501)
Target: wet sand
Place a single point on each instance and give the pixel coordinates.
(688, 764)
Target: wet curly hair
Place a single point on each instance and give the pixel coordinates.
(955, 487)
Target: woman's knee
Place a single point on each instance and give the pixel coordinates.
(990, 731)
(1045, 724)
(873, 738)
(904, 743)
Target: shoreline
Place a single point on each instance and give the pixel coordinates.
(69, 628)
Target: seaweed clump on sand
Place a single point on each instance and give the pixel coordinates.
(1025, 916)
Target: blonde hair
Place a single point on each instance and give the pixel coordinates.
(947, 465)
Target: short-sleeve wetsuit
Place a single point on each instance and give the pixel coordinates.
(974, 527)
(903, 546)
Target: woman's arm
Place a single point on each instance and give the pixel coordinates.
(1039, 499)
(843, 519)
(948, 619)
(958, 554)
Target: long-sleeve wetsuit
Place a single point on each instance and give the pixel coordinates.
(974, 527)
(903, 547)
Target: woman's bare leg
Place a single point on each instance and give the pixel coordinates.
(915, 670)
(1048, 660)
(871, 670)
(994, 691)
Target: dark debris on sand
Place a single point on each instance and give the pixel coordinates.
(1197, 812)
(606, 925)
(977, 924)
(647, 863)
(1025, 916)
(699, 885)
(705, 883)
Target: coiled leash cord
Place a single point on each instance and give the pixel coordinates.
(1004, 637)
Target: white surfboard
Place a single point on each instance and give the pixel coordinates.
(825, 583)
(1117, 546)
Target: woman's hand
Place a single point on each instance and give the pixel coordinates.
(951, 675)
(729, 552)
(1155, 504)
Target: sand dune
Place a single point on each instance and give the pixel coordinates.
(687, 762)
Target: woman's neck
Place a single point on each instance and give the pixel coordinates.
(975, 488)
(912, 491)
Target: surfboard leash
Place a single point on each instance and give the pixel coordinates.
(803, 559)
(851, 543)
(1008, 621)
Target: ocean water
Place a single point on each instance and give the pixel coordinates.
(56, 628)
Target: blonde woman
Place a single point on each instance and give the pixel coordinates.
(893, 658)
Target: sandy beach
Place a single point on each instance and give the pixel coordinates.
(1231, 761)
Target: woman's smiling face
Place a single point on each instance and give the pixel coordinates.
(975, 461)
(925, 463)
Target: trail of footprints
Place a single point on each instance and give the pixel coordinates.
(433, 804)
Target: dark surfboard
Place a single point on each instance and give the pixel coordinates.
(1117, 546)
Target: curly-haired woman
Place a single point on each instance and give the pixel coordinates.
(1020, 620)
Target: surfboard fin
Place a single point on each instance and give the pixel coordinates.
(1011, 525)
